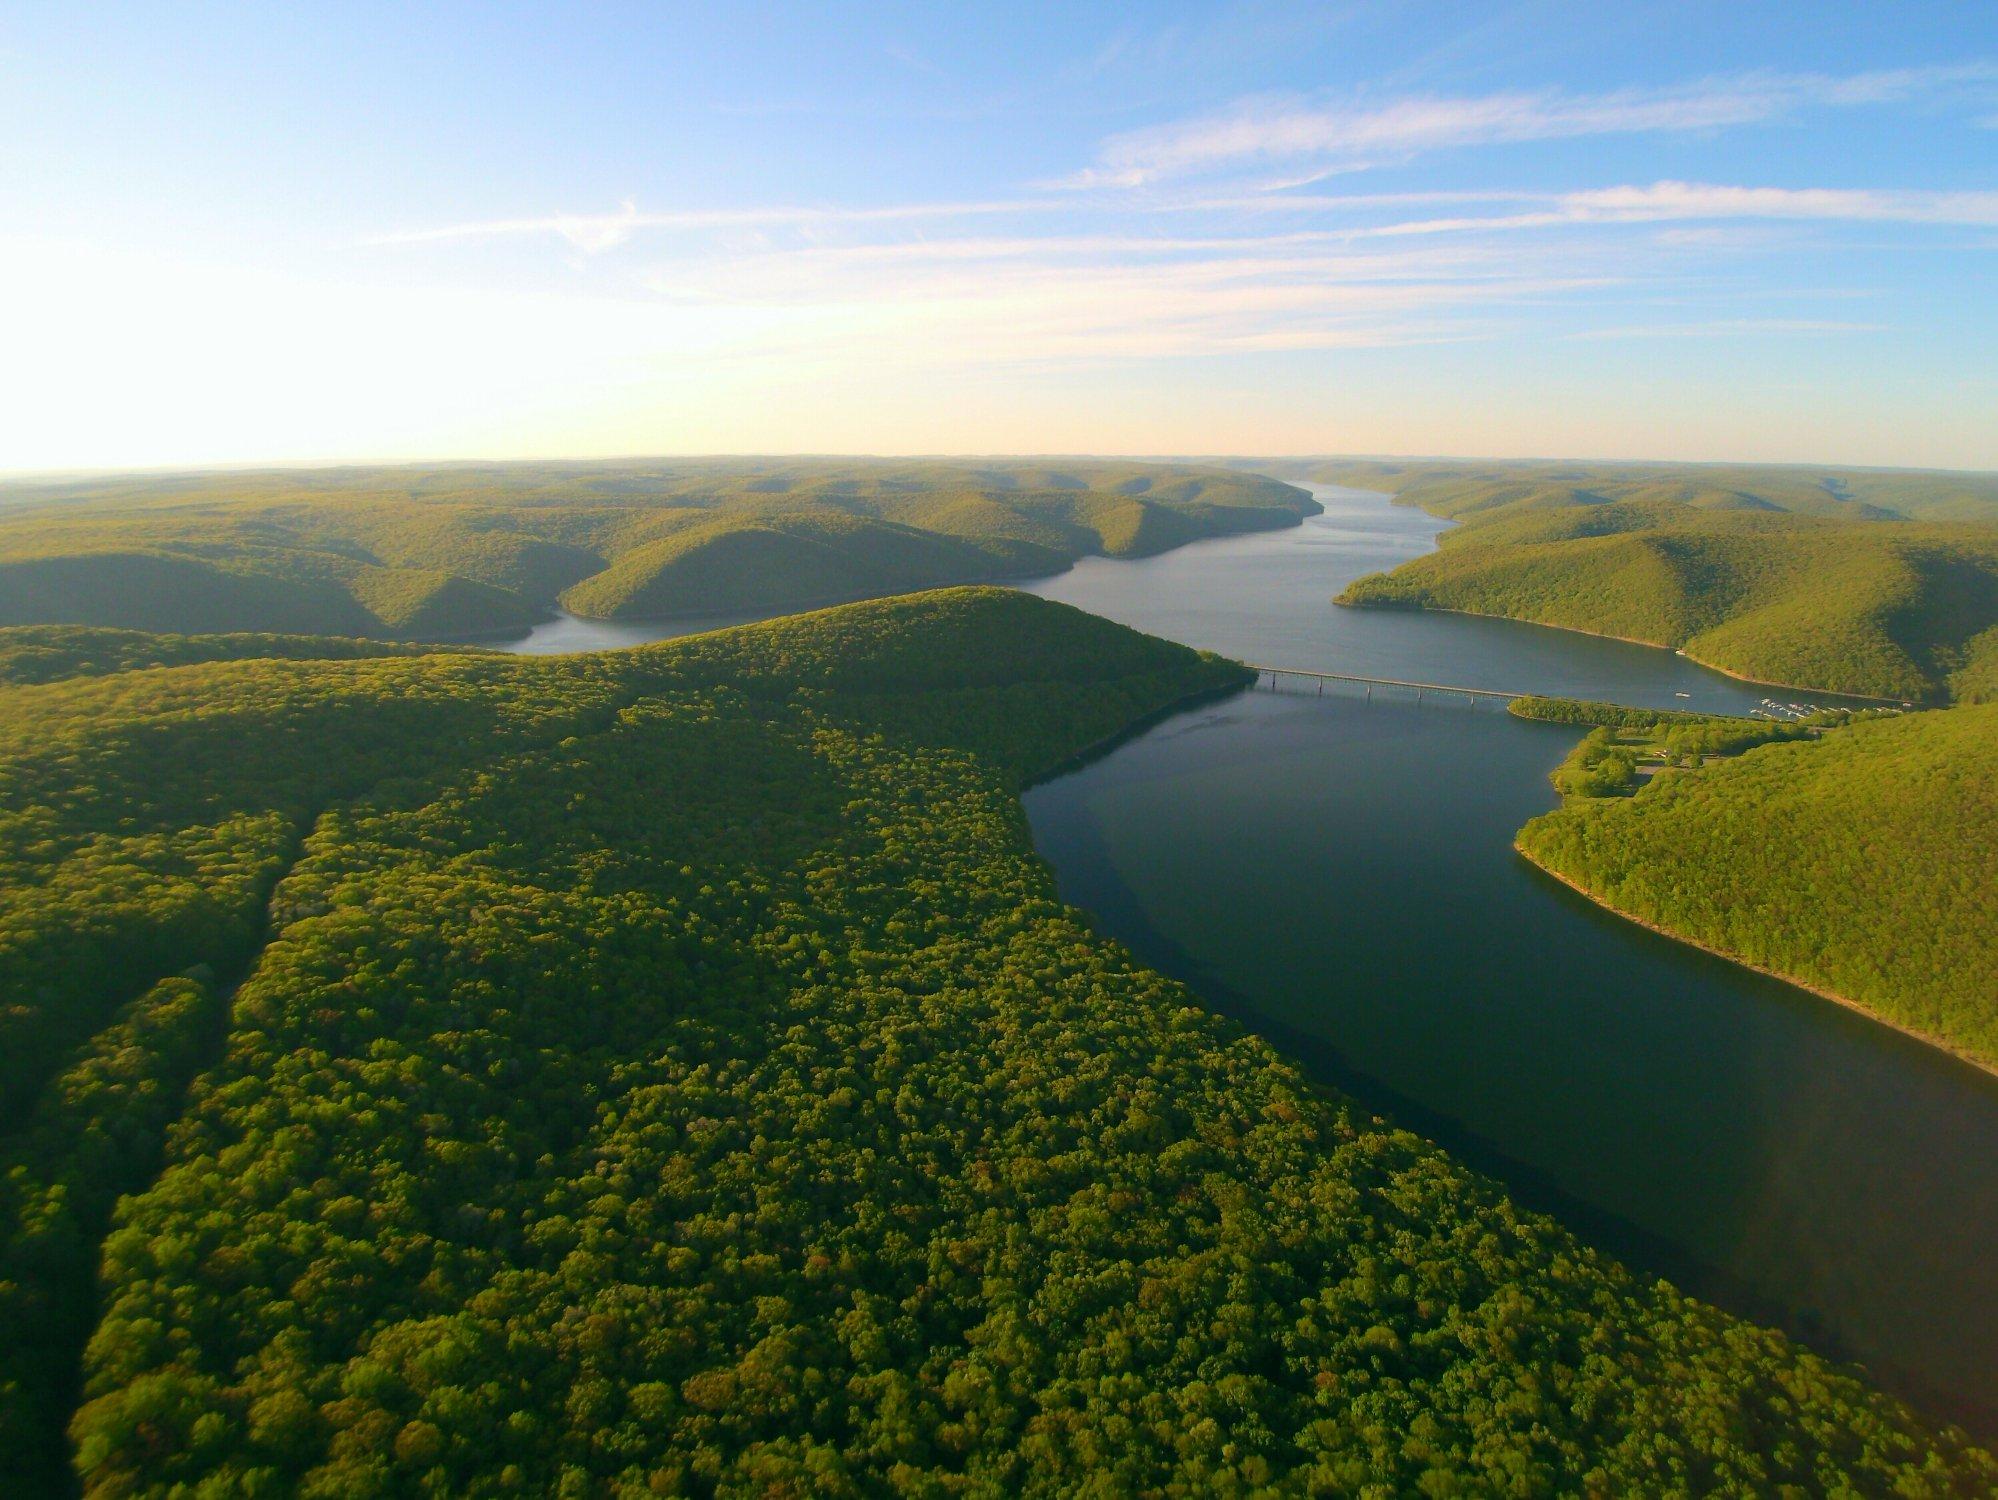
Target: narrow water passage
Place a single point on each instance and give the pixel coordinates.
(1340, 874)
(568, 634)
(1267, 598)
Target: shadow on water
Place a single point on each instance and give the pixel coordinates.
(1339, 878)
(1116, 912)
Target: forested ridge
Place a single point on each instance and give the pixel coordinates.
(460, 550)
(49, 653)
(1860, 863)
(1464, 488)
(672, 1072)
(1882, 608)
(1627, 743)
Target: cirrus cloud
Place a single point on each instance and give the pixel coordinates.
(1353, 136)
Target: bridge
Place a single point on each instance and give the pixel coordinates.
(1275, 674)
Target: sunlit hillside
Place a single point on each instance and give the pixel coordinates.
(673, 1070)
(1863, 863)
(1461, 488)
(465, 550)
(1894, 609)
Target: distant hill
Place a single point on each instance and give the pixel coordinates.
(1834, 595)
(1462, 488)
(1862, 864)
(747, 560)
(464, 550)
(675, 1072)
(51, 653)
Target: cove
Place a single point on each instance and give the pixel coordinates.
(567, 634)
(1339, 875)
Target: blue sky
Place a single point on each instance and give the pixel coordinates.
(245, 233)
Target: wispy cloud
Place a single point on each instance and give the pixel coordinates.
(917, 285)
(1213, 237)
(598, 232)
(1272, 201)
(1729, 328)
(1359, 134)
(1667, 201)
(1699, 200)
(910, 58)
(593, 233)
(1034, 314)
(1326, 253)
(1062, 299)
(1625, 203)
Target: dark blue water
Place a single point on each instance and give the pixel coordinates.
(1340, 875)
(1266, 598)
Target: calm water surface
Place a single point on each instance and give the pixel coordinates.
(1266, 598)
(567, 634)
(1340, 875)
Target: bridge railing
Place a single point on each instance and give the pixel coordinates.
(1419, 688)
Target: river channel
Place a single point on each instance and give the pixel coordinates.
(1337, 872)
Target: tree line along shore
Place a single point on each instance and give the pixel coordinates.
(672, 1069)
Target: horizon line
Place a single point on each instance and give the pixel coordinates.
(11, 477)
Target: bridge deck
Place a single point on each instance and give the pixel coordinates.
(1431, 687)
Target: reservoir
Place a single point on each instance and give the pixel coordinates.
(1339, 875)
(1337, 872)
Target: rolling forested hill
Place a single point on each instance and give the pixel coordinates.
(461, 550)
(1462, 488)
(48, 653)
(672, 1072)
(1834, 595)
(1862, 864)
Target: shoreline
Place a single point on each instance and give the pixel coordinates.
(757, 613)
(761, 612)
(1927, 1038)
(1458, 523)
(1631, 640)
(1096, 749)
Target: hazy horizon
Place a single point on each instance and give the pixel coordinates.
(30, 476)
(778, 456)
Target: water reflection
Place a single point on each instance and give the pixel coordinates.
(567, 634)
(1340, 874)
(1267, 598)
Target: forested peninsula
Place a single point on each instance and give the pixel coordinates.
(1873, 583)
(1858, 862)
(672, 1071)
(463, 550)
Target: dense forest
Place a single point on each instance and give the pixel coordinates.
(1463, 488)
(1891, 609)
(1626, 744)
(1588, 711)
(672, 1072)
(1860, 861)
(48, 653)
(448, 551)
